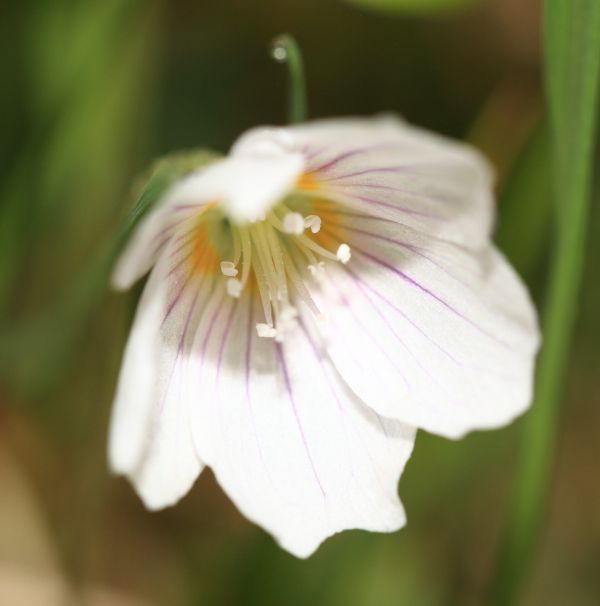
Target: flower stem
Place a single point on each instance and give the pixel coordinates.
(285, 49)
(572, 66)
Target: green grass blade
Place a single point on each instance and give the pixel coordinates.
(572, 68)
(525, 214)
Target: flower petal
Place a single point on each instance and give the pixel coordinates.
(150, 438)
(385, 167)
(182, 201)
(250, 184)
(428, 332)
(245, 186)
(295, 450)
(427, 322)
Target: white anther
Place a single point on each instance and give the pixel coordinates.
(228, 269)
(286, 322)
(266, 331)
(343, 253)
(293, 223)
(234, 288)
(316, 270)
(313, 222)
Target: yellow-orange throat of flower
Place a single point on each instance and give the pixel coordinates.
(276, 256)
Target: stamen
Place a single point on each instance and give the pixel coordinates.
(316, 270)
(237, 246)
(266, 331)
(275, 250)
(234, 288)
(246, 254)
(310, 255)
(293, 223)
(306, 242)
(313, 222)
(286, 322)
(343, 253)
(264, 260)
(298, 283)
(228, 269)
(263, 289)
(284, 260)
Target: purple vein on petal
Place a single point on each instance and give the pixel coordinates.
(403, 315)
(168, 229)
(396, 189)
(177, 265)
(429, 293)
(225, 338)
(174, 302)
(343, 198)
(184, 333)
(364, 216)
(412, 248)
(367, 171)
(361, 288)
(288, 387)
(406, 192)
(211, 324)
(319, 359)
(402, 209)
(369, 335)
(311, 153)
(188, 206)
(343, 413)
(351, 153)
(181, 241)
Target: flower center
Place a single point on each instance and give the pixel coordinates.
(283, 257)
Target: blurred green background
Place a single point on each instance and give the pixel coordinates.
(92, 93)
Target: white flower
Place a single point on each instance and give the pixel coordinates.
(315, 297)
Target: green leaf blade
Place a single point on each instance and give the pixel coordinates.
(572, 70)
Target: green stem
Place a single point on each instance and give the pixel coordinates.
(572, 49)
(285, 49)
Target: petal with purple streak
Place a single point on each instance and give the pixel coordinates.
(291, 445)
(428, 332)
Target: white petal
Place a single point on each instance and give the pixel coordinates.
(150, 438)
(388, 168)
(251, 185)
(182, 201)
(428, 332)
(289, 442)
(295, 450)
(245, 186)
(427, 323)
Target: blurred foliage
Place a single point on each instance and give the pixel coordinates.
(412, 6)
(526, 208)
(572, 74)
(35, 351)
(82, 89)
(94, 91)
